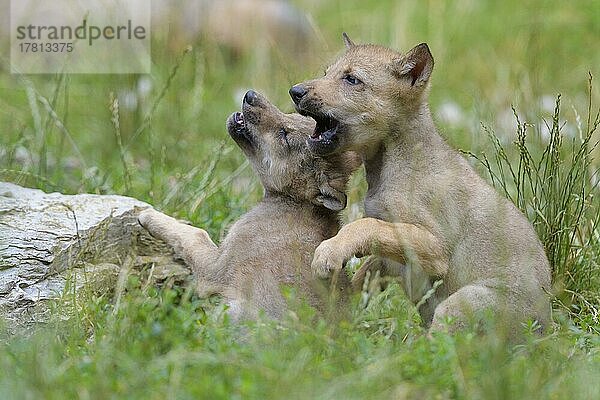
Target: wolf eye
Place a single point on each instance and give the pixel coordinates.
(352, 80)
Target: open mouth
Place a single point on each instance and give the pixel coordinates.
(236, 125)
(325, 130)
(238, 119)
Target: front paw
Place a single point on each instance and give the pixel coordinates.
(152, 220)
(145, 217)
(328, 257)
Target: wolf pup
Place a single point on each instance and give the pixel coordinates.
(273, 244)
(430, 217)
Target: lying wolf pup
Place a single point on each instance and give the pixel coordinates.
(273, 244)
(430, 216)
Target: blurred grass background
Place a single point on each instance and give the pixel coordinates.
(58, 133)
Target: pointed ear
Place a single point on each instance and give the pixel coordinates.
(347, 41)
(416, 65)
(330, 198)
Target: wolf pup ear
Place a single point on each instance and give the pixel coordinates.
(330, 198)
(416, 65)
(331, 203)
(347, 41)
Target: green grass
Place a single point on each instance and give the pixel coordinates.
(78, 133)
(557, 189)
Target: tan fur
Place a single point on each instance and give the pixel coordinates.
(430, 216)
(273, 244)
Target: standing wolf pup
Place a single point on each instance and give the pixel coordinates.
(430, 216)
(273, 244)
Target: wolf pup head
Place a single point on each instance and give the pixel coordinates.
(276, 145)
(366, 93)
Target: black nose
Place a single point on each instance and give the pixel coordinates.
(251, 97)
(298, 92)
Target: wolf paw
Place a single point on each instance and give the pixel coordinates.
(154, 221)
(145, 217)
(328, 257)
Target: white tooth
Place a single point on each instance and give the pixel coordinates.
(320, 137)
